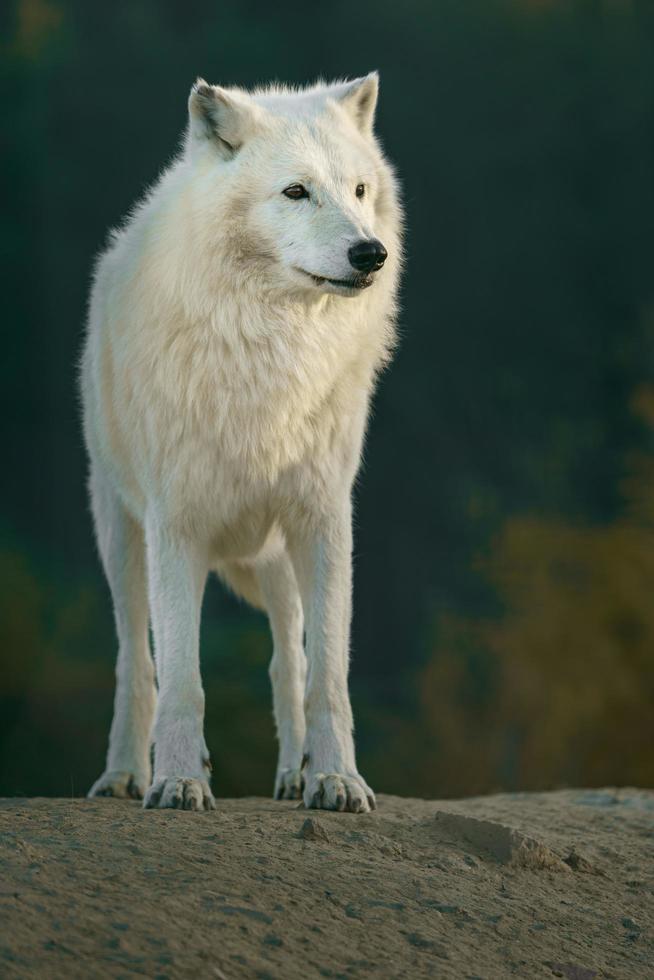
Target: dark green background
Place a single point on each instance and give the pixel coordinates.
(503, 632)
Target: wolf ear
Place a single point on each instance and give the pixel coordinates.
(224, 117)
(360, 99)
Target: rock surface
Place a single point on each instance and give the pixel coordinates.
(525, 885)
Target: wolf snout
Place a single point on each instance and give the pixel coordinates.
(367, 255)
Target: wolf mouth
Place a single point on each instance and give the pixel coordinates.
(354, 282)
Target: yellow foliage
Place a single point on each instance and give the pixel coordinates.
(571, 655)
(36, 22)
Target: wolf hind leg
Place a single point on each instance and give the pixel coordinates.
(122, 550)
(177, 571)
(288, 668)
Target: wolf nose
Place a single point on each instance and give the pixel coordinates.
(367, 256)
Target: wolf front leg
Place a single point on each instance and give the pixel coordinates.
(287, 670)
(177, 571)
(323, 561)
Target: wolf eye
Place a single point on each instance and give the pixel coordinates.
(361, 190)
(296, 192)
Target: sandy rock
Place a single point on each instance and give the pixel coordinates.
(580, 864)
(312, 829)
(505, 844)
(570, 971)
(488, 888)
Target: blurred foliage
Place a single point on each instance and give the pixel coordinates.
(570, 689)
(502, 633)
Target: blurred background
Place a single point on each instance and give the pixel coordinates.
(504, 588)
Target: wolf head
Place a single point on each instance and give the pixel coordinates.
(292, 186)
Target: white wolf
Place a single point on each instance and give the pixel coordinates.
(237, 322)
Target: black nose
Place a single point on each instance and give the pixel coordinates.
(367, 256)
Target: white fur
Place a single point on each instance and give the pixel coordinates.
(226, 394)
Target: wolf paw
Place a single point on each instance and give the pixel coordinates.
(288, 784)
(179, 793)
(336, 791)
(121, 784)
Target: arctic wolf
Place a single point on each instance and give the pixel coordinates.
(237, 323)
